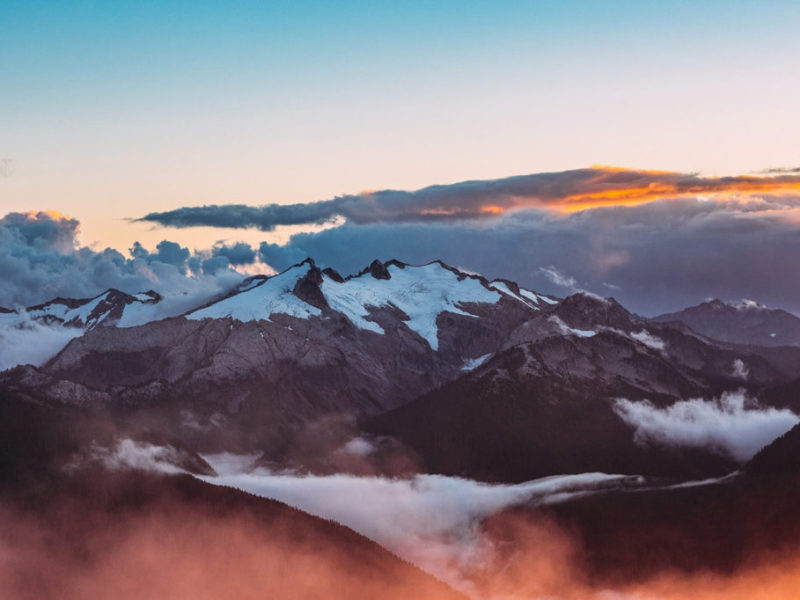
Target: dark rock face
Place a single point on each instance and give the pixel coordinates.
(378, 270)
(746, 323)
(546, 408)
(223, 543)
(333, 274)
(307, 288)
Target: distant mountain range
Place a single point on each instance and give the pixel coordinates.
(111, 308)
(473, 377)
(746, 322)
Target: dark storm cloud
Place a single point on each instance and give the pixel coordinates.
(565, 191)
(40, 259)
(653, 257)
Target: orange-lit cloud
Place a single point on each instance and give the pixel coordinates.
(564, 192)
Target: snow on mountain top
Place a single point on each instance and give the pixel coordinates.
(261, 298)
(527, 297)
(112, 307)
(503, 288)
(420, 292)
(75, 313)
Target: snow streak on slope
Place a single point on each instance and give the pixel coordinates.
(258, 303)
(502, 287)
(536, 297)
(420, 292)
(567, 330)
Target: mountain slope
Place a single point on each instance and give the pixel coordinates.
(545, 404)
(133, 535)
(528, 382)
(250, 369)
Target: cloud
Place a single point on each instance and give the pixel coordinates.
(658, 257)
(238, 254)
(132, 454)
(740, 369)
(432, 521)
(649, 340)
(40, 259)
(558, 278)
(731, 424)
(781, 171)
(476, 200)
(31, 342)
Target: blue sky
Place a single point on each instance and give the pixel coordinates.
(110, 110)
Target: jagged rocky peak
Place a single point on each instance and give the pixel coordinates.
(378, 270)
(108, 308)
(307, 287)
(333, 274)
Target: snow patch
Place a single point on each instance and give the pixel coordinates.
(259, 302)
(503, 288)
(422, 293)
(566, 330)
(471, 364)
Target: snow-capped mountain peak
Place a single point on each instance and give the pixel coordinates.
(111, 307)
(419, 294)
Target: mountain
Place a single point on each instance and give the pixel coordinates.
(545, 404)
(250, 369)
(744, 522)
(111, 308)
(743, 323)
(472, 377)
(397, 370)
(130, 534)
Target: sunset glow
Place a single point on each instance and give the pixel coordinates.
(487, 300)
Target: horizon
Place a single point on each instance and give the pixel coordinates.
(189, 134)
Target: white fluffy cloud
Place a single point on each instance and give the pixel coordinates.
(32, 343)
(40, 258)
(732, 424)
(430, 520)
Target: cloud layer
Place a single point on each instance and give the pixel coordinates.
(32, 343)
(653, 254)
(731, 424)
(566, 191)
(432, 521)
(653, 258)
(40, 259)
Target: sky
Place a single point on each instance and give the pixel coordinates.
(110, 112)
